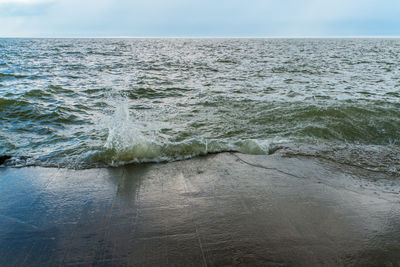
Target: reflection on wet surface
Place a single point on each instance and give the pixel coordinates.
(225, 209)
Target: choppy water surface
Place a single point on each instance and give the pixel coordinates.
(98, 102)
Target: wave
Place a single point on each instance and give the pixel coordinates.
(146, 152)
(128, 141)
(11, 75)
(376, 158)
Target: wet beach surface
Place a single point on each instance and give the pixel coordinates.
(218, 210)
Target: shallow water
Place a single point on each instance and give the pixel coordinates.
(99, 102)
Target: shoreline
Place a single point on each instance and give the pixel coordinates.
(219, 209)
(379, 159)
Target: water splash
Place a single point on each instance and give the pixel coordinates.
(122, 134)
(127, 139)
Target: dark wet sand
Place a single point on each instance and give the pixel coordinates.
(224, 209)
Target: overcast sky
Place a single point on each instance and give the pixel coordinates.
(192, 18)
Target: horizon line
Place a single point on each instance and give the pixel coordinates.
(212, 37)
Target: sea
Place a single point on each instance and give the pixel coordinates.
(89, 103)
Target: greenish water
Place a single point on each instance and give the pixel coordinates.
(97, 102)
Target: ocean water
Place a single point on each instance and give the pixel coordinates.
(84, 103)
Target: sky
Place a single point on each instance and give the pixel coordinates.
(198, 18)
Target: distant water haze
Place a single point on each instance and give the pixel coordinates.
(99, 102)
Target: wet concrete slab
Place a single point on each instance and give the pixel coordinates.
(221, 210)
